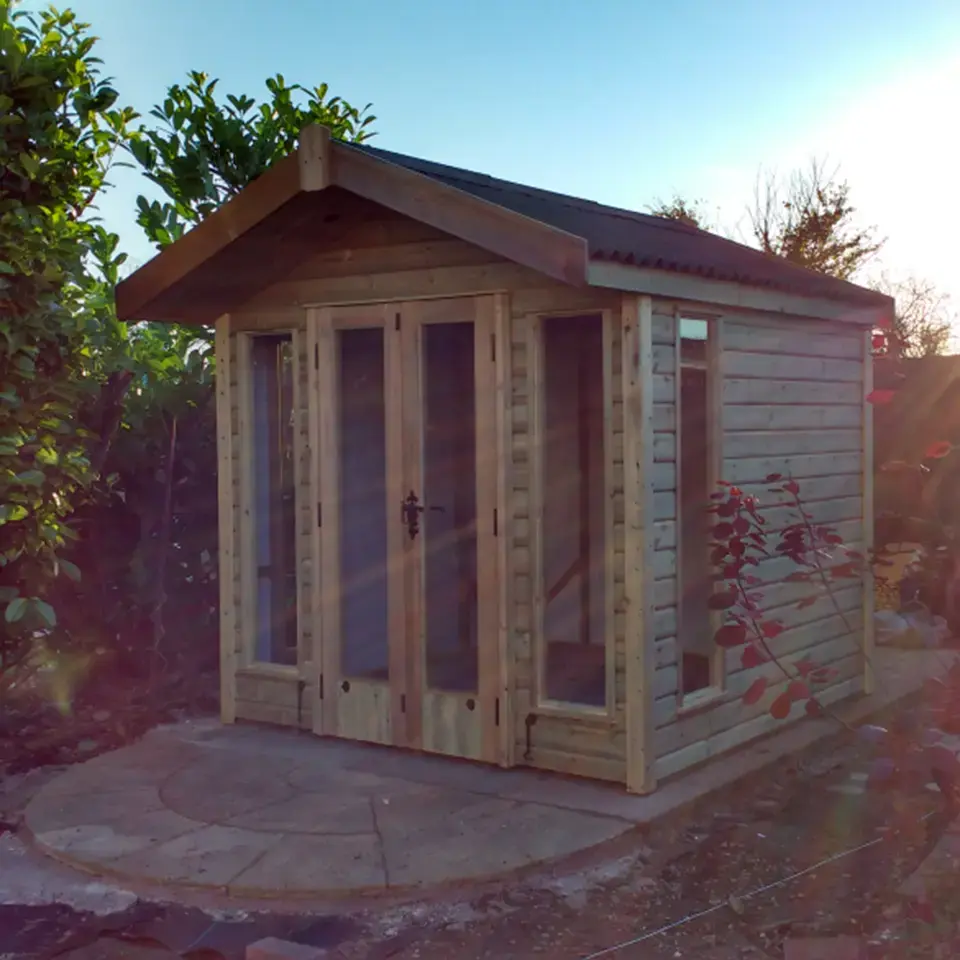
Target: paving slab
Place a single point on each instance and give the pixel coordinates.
(209, 856)
(304, 866)
(94, 843)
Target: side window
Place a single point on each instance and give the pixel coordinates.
(573, 612)
(272, 420)
(696, 451)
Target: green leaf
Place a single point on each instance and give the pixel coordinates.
(15, 610)
(46, 612)
(33, 478)
(70, 569)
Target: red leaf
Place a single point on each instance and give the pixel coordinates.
(880, 397)
(752, 657)
(813, 708)
(730, 635)
(722, 601)
(723, 530)
(806, 602)
(771, 628)
(878, 341)
(791, 486)
(805, 666)
(798, 690)
(727, 509)
(755, 691)
(780, 708)
(938, 450)
(773, 477)
(741, 526)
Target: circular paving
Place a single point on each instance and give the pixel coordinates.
(266, 813)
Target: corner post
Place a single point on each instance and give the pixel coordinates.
(226, 510)
(869, 597)
(314, 153)
(636, 318)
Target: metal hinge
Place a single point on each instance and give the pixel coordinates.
(496, 712)
(493, 347)
(396, 320)
(316, 356)
(321, 685)
(495, 522)
(319, 514)
(403, 703)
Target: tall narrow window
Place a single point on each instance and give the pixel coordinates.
(273, 499)
(362, 428)
(695, 451)
(574, 538)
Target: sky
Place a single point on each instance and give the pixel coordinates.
(619, 101)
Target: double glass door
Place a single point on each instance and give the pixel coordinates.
(407, 520)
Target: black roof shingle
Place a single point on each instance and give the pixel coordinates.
(639, 239)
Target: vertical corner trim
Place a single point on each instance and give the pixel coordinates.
(636, 317)
(226, 508)
(869, 597)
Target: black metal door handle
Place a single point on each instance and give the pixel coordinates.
(410, 510)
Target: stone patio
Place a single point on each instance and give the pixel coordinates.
(256, 812)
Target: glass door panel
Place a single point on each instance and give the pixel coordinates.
(449, 545)
(450, 444)
(362, 690)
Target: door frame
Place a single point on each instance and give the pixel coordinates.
(423, 703)
(376, 706)
(402, 322)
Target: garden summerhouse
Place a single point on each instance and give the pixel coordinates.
(467, 430)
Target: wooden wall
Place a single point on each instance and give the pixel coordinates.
(792, 403)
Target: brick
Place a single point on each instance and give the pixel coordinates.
(825, 948)
(272, 948)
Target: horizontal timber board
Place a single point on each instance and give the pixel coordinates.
(765, 390)
(767, 443)
(771, 366)
(783, 417)
(743, 470)
(795, 339)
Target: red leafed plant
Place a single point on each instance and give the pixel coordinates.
(742, 541)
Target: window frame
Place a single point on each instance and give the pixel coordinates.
(542, 704)
(710, 364)
(247, 661)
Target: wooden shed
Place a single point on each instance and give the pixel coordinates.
(467, 430)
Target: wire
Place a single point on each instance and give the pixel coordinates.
(747, 896)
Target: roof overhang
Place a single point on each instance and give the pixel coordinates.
(258, 236)
(682, 286)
